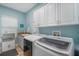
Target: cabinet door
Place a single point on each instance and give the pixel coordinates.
(45, 20)
(0, 47)
(67, 13)
(39, 17)
(76, 20)
(5, 46)
(51, 14)
(48, 15)
(11, 44)
(21, 42)
(8, 45)
(35, 18)
(42, 20)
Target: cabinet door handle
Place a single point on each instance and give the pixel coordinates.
(8, 46)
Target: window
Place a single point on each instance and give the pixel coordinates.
(8, 21)
(8, 24)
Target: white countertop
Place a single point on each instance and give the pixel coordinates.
(32, 37)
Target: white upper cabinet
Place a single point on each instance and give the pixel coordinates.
(36, 18)
(55, 14)
(42, 20)
(58, 12)
(46, 15)
(49, 18)
(76, 13)
(67, 13)
(51, 14)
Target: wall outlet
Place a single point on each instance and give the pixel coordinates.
(56, 33)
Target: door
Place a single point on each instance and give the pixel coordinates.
(36, 18)
(5, 46)
(42, 20)
(0, 47)
(21, 41)
(67, 13)
(12, 44)
(8, 45)
(51, 15)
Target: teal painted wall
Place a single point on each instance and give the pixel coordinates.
(19, 15)
(71, 31)
(67, 31)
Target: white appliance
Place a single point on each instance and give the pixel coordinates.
(53, 46)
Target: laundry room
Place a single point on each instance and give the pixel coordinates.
(39, 29)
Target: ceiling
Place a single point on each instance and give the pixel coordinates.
(22, 7)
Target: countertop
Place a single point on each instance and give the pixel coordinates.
(32, 37)
(23, 35)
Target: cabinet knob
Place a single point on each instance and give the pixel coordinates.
(8, 46)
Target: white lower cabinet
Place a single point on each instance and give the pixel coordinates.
(12, 44)
(8, 45)
(5, 46)
(21, 42)
(0, 50)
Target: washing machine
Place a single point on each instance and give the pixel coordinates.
(53, 46)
